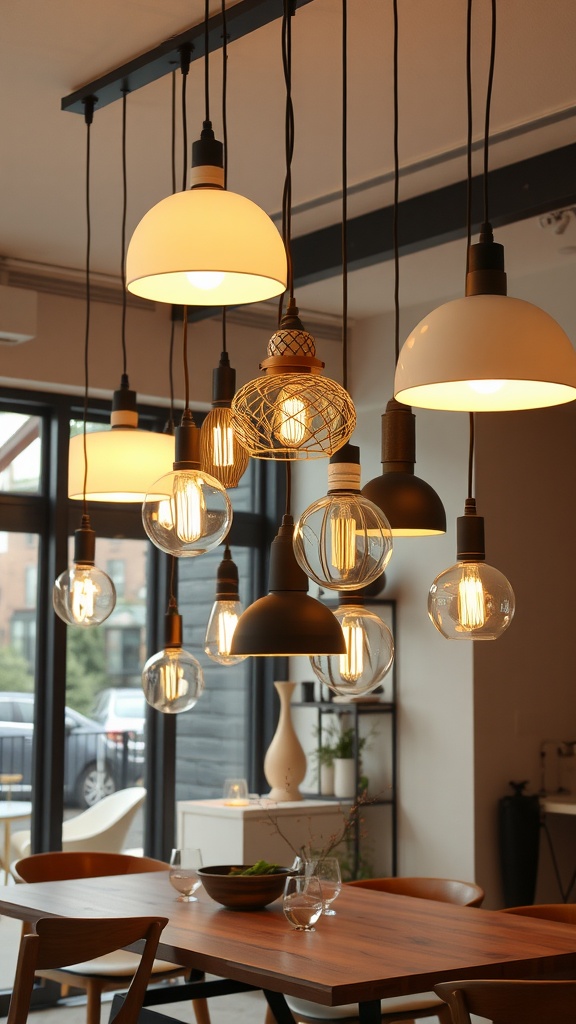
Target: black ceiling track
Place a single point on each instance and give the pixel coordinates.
(242, 19)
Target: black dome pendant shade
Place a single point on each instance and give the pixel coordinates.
(287, 621)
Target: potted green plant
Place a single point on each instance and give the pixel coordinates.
(345, 761)
(324, 756)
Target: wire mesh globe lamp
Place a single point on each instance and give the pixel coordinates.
(369, 651)
(343, 541)
(292, 412)
(471, 600)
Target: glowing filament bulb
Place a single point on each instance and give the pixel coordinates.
(165, 514)
(84, 591)
(352, 663)
(342, 539)
(205, 279)
(227, 622)
(171, 678)
(471, 600)
(188, 508)
(223, 445)
(292, 421)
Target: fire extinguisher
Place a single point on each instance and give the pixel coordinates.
(519, 840)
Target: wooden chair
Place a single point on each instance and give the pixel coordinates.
(402, 1008)
(54, 942)
(563, 912)
(510, 1002)
(112, 971)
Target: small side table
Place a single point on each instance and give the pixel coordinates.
(244, 835)
(559, 803)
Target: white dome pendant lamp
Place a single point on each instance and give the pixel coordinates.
(205, 245)
(486, 352)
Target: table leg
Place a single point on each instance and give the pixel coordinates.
(279, 1007)
(370, 1012)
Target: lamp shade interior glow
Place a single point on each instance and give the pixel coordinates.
(206, 246)
(486, 353)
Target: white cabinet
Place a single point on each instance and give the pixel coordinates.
(243, 835)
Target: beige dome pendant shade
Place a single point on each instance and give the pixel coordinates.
(123, 462)
(486, 352)
(206, 246)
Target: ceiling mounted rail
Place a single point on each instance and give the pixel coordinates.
(241, 19)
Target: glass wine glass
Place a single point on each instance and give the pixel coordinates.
(327, 870)
(302, 902)
(184, 866)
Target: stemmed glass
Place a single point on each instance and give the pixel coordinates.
(184, 866)
(327, 870)
(302, 902)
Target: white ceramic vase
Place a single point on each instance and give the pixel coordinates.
(285, 760)
(327, 779)
(344, 777)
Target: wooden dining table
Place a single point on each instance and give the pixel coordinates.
(377, 944)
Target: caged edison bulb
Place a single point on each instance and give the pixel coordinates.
(369, 652)
(187, 512)
(84, 595)
(472, 600)
(343, 541)
(225, 613)
(172, 679)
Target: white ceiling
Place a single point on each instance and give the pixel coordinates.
(47, 50)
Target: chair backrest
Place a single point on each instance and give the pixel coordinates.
(510, 1002)
(565, 912)
(444, 890)
(63, 941)
(106, 824)
(53, 867)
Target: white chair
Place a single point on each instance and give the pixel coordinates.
(102, 828)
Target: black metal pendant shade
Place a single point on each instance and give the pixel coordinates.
(287, 621)
(411, 505)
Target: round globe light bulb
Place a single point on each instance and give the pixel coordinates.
(172, 680)
(220, 630)
(187, 513)
(83, 595)
(343, 541)
(369, 653)
(471, 601)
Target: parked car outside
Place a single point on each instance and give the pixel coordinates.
(93, 767)
(121, 709)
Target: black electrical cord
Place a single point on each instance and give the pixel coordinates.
(88, 117)
(469, 132)
(288, 486)
(395, 206)
(206, 61)
(185, 68)
(224, 129)
(345, 193)
(471, 457)
(123, 236)
(169, 428)
(487, 114)
(288, 144)
(185, 358)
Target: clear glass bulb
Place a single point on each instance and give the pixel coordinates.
(471, 601)
(291, 420)
(172, 680)
(343, 541)
(220, 630)
(187, 513)
(369, 653)
(83, 595)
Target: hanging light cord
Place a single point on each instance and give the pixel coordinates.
(206, 61)
(487, 116)
(395, 203)
(123, 234)
(345, 193)
(224, 129)
(289, 11)
(88, 117)
(169, 428)
(469, 131)
(185, 359)
(184, 67)
(172, 602)
(471, 458)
